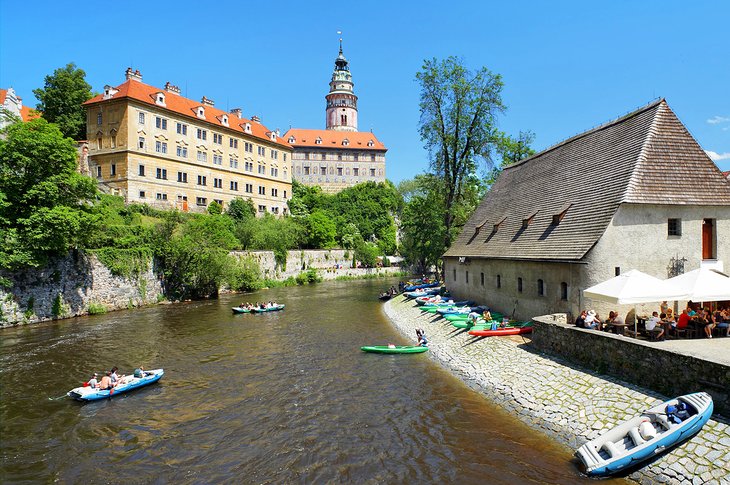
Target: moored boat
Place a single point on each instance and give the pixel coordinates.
(512, 329)
(396, 349)
(646, 435)
(130, 383)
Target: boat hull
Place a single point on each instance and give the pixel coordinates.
(488, 332)
(623, 447)
(87, 394)
(271, 309)
(238, 310)
(399, 349)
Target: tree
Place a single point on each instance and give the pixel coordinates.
(458, 117)
(60, 100)
(422, 224)
(512, 150)
(321, 230)
(47, 206)
(214, 208)
(241, 210)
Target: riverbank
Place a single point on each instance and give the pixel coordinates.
(565, 402)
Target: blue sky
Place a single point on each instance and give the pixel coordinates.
(567, 65)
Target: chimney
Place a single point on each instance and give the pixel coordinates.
(237, 112)
(136, 75)
(207, 102)
(256, 119)
(171, 88)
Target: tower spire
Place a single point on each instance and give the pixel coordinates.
(341, 109)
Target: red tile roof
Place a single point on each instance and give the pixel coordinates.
(26, 113)
(333, 139)
(145, 93)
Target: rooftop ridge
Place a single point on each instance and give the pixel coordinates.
(642, 158)
(596, 128)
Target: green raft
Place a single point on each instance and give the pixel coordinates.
(398, 349)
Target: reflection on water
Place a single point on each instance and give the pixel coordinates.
(279, 397)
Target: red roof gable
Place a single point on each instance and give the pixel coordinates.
(186, 107)
(333, 139)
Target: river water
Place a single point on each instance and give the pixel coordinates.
(283, 397)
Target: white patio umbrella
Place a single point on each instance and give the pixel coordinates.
(633, 287)
(702, 284)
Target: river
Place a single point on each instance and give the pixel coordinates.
(283, 397)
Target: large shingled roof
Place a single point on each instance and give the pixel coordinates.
(645, 157)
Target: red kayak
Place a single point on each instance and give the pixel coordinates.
(488, 332)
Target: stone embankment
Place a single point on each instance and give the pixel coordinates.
(565, 402)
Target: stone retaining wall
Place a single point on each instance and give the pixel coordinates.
(569, 403)
(71, 285)
(634, 361)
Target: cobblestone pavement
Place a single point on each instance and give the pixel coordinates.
(567, 403)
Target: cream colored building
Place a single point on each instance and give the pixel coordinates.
(154, 146)
(636, 193)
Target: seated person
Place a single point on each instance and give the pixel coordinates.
(652, 324)
(592, 321)
(106, 382)
(722, 320)
(683, 320)
(487, 316)
(677, 414)
(581, 320)
(140, 372)
(93, 382)
(707, 320)
(473, 316)
(422, 340)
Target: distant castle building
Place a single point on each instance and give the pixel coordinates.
(11, 105)
(339, 156)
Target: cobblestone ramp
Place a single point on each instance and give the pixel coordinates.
(565, 402)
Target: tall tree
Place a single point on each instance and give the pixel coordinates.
(512, 150)
(60, 100)
(458, 117)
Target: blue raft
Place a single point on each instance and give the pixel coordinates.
(89, 394)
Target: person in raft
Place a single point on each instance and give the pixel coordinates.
(139, 373)
(106, 382)
(473, 316)
(487, 315)
(93, 382)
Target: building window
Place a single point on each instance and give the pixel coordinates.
(275, 154)
(285, 194)
(98, 118)
(372, 158)
(217, 139)
(248, 147)
(217, 159)
(274, 172)
(182, 177)
(234, 185)
(262, 169)
(161, 123)
(519, 284)
(202, 180)
(674, 227)
(564, 291)
(262, 208)
(339, 171)
(249, 188)
(372, 172)
(182, 129)
(466, 275)
(160, 147)
(201, 134)
(98, 143)
(201, 201)
(617, 271)
(141, 171)
(202, 156)
(233, 142)
(98, 171)
(140, 118)
(162, 173)
(161, 196)
(499, 281)
(262, 190)
(482, 279)
(249, 167)
(306, 170)
(182, 152)
(261, 151)
(217, 183)
(274, 192)
(356, 172)
(141, 194)
(285, 157)
(219, 201)
(540, 288)
(233, 162)
(113, 170)
(454, 275)
(140, 143)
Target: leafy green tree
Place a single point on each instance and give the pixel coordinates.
(321, 230)
(349, 234)
(305, 199)
(422, 225)
(47, 207)
(241, 210)
(511, 150)
(61, 99)
(459, 108)
(214, 208)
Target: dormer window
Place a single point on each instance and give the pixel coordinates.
(345, 142)
(318, 141)
(247, 128)
(273, 136)
(498, 224)
(160, 99)
(479, 227)
(557, 217)
(371, 143)
(200, 112)
(291, 139)
(109, 92)
(224, 120)
(528, 220)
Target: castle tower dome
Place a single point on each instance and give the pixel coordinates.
(341, 100)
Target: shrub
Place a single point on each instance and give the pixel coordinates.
(96, 309)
